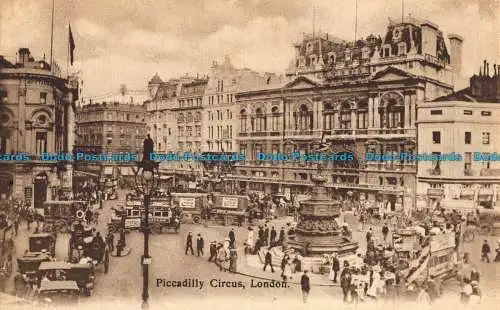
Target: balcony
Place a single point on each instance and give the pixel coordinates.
(436, 171)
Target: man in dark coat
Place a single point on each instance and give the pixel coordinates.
(266, 235)
(485, 251)
(335, 267)
(385, 231)
(345, 280)
(369, 235)
(261, 235)
(281, 237)
(148, 148)
(305, 286)
(189, 243)
(200, 244)
(268, 261)
(273, 234)
(232, 239)
(213, 251)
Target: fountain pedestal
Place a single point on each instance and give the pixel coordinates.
(318, 231)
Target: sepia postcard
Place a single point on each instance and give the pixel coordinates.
(249, 154)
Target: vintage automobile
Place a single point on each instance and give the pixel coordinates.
(60, 215)
(85, 244)
(82, 274)
(53, 293)
(164, 218)
(28, 264)
(42, 241)
(117, 219)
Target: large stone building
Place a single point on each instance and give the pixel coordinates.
(109, 127)
(220, 106)
(36, 116)
(466, 123)
(355, 96)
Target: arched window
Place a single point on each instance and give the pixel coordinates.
(395, 114)
(275, 119)
(345, 116)
(243, 120)
(362, 115)
(260, 120)
(329, 121)
(180, 118)
(198, 117)
(303, 118)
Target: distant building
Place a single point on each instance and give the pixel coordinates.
(468, 123)
(110, 127)
(36, 116)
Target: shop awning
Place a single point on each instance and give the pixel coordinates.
(108, 170)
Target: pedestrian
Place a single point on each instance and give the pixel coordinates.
(272, 240)
(335, 268)
(281, 237)
(266, 235)
(261, 235)
(485, 251)
(16, 225)
(474, 275)
(232, 239)
(466, 291)
(200, 244)
(189, 243)
(305, 286)
(213, 251)
(88, 216)
(29, 220)
(268, 261)
(385, 232)
(110, 241)
(369, 235)
(345, 281)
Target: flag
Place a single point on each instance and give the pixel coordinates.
(71, 46)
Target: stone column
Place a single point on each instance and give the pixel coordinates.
(353, 119)
(336, 119)
(407, 111)
(376, 116)
(370, 112)
(70, 138)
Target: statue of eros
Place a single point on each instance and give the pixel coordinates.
(322, 147)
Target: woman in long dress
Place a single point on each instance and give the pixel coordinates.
(250, 238)
(287, 272)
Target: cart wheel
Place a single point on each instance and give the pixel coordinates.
(469, 235)
(106, 262)
(196, 219)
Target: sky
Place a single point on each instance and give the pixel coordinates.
(127, 42)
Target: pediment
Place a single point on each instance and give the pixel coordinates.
(301, 82)
(391, 74)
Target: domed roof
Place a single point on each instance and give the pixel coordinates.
(155, 79)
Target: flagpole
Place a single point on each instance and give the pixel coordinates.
(67, 56)
(52, 39)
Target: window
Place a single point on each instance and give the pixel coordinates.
(198, 131)
(128, 117)
(436, 137)
(41, 142)
(189, 130)
(110, 141)
(486, 138)
(485, 113)
(467, 112)
(436, 112)
(468, 137)
(110, 116)
(467, 163)
(43, 97)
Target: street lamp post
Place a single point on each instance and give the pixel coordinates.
(146, 184)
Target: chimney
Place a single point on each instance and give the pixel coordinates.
(487, 69)
(24, 55)
(456, 43)
(429, 38)
(484, 67)
(480, 71)
(495, 69)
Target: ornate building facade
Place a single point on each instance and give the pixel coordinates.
(466, 123)
(36, 116)
(109, 127)
(356, 96)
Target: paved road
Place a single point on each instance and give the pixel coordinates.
(124, 280)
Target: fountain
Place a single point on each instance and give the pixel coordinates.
(317, 231)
